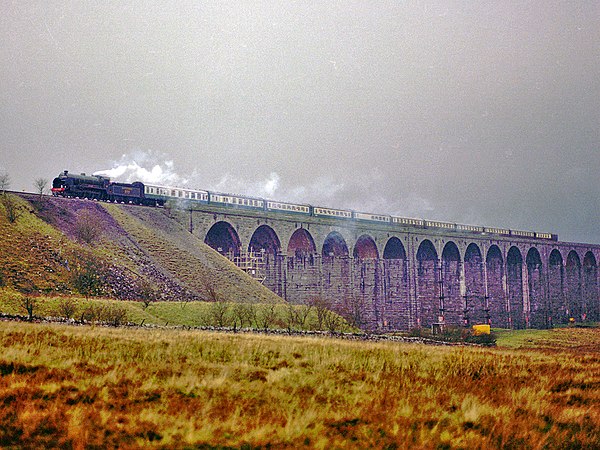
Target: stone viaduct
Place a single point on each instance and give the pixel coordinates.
(386, 277)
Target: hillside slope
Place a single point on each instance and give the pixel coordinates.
(35, 256)
(133, 253)
(185, 257)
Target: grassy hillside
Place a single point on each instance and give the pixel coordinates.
(118, 251)
(43, 252)
(586, 339)
(35, 255)
(79, 387)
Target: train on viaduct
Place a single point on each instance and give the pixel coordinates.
(384, 276)
(381, 272)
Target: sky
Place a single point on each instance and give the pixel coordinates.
(475, 112)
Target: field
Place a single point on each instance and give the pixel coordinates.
(235, 315)
(79, 387)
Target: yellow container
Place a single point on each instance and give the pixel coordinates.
(478, 330)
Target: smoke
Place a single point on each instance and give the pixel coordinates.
(148, 167)
(159, 168)
(271, 185)
(267, 188)
(322, 191)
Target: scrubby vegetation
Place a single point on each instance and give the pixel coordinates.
(39, 258)
(64, 386)
(69, 247)
(229, 315)
(455, 334)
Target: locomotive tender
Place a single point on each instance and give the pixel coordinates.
(98, 187)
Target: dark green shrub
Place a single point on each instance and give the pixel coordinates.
(484, 339)
(420, 332)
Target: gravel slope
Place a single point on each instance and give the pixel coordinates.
(185, 258)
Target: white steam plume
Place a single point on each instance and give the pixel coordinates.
(257, 188)
(155, 168)
(147, 167)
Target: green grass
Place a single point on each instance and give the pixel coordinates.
(557, 338)
(520, 338)
(34, 253)
(190, 314)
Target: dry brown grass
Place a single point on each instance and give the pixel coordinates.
(79, 387)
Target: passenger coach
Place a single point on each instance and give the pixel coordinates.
(101, 188)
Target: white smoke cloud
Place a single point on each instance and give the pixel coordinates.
(158, 168)
(416, 204)
(267, 188)
(322, 190)
(271, 185)
(148, 167)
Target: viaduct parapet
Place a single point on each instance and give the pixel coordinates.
(385, 277)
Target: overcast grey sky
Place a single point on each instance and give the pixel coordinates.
(471, 112)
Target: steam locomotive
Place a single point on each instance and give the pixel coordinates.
(98, 187)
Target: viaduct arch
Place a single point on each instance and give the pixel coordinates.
(384, 278)
(495, 285)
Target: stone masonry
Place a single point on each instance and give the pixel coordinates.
(384, 277)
